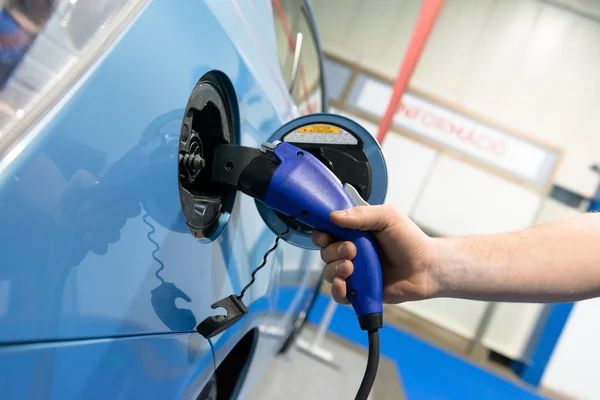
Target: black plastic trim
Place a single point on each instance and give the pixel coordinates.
(232, 387)
(256, 177)
(370, 321)
(211, 118)
(230, 162)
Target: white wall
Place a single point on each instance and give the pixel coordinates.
(409, 164)
(461, 199)
(523, 63)
(573, 367)
(511, 327)
(551, 210)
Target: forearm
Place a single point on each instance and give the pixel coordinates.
(554, 262)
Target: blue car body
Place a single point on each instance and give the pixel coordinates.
(101, 282)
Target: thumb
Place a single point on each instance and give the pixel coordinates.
(365, 218)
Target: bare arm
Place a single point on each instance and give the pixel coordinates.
(554, 262)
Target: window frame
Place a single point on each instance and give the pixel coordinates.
(306, 12)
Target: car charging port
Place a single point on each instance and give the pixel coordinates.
(211, 118)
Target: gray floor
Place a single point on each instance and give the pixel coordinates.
(314, 379)
(342, 382)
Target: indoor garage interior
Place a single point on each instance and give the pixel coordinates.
(170, 169)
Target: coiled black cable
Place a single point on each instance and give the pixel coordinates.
(372, 365)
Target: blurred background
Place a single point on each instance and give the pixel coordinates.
(497, 131)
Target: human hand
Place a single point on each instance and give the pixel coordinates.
(406, 254)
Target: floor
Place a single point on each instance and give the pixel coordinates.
(318, 380)
(412, 367)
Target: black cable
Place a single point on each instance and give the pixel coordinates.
(372, 364)
(272, 249)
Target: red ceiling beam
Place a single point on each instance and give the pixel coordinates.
(425, 21)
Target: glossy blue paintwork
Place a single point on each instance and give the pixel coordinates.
(158, 367)
(92, 238)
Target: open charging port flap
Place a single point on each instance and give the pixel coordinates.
(210, 119)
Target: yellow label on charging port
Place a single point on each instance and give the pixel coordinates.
(320, 129)
(324, 134)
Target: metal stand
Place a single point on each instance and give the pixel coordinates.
(484, 323)
(314, 348)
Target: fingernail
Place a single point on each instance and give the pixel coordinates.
(340, 213)
(341, 267)
(321, 241)
(345, 251)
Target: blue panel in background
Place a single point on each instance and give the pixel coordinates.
(336, 76)
(550, 328)
(427, 372)
(356, 90)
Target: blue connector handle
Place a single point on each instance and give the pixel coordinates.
(304, 188)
